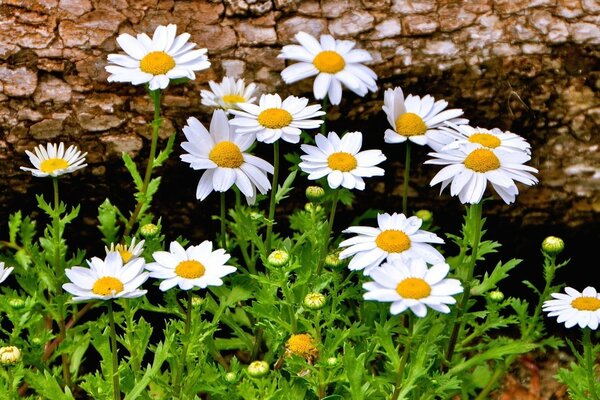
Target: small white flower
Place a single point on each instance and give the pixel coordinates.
(106, 279)
(574, 308)
(222, 154)
(471, 166)
(228, 93)
(127, 253)
(335, 62)
(53, 160)
(4, 272)
(156, 61)
(418, 119)
(493, 139)
(413, 285)
(395, 238)
(341, 160)
(272, 118)
(196, 266)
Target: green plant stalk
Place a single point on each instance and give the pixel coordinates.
(114, 351)
(186, 334)
(273, 195)
(406, 179)
(402, 365)
(323, 253)
(589, 358)
(222, 218)
(155, 96)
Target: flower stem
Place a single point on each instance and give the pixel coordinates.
(406, 178)
(323, 254)
(273, 195)
(589, 356)
(115, 356)
(222, 218)
(324, 108)
(402, 365)
(186, 343)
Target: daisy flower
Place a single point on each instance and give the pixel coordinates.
(4, 272)
(493, 139)
(127, 252)
(156, 61)
(228, 93)
(395, 238)
(413, 285)
(469, 168)
(341, 160)
(418, 119)
(196, 266)
(107, 279)
(54, 161)
(335, 62)
(574, 308)
(272, 118)
(222, 154)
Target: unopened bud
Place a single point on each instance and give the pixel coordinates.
(314, 301)
(278, 258)
(9, 355)
(231, 377)
(332, 361)
(310, 207)
(425, 215)
(315, 194)
(16, 303)
(333, 260)
(149, 231)
(496, 295)
(553, 245)
(197, 301)
(258, 369)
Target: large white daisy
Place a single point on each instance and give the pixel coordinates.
(222, 154)
(4, 272)
(341, 160)
(469, 168)
(493, 139)
(412, 285)
(127, 253)
(395, 238)
(228, 93)
(196, 266)
(107, 279)
(272, 118)
(333, 61)
(53, 160)
(418, 119)
(158, 60)
(574, 308)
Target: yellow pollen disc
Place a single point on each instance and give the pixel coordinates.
(190, 269)
(482, 160)
(342, 161)
(393, 241)
(226, 154)
(107, 285)
(410, 124)
(485, 139)
(586, 303)
(413, 288)
(274, 118)
(233, 98)
(329, 61)
(53, 164)
(157, 63)
(301, 344)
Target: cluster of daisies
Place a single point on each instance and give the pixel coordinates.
(406, 268)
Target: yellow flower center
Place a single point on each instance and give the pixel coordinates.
(586, 303)
(52, 164)
(226, 154)
(274, 118)
(342, 161)
(126, 255)
(233, 98)
(190, 269)
(485, 139)
(413, 288)
(301, 344)
(107, 285)
(410, 124)
(329, 61)
(157, 63)
(393, 241)
(482, 160)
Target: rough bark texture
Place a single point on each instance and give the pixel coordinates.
(521, 65)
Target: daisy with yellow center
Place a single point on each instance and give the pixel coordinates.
(468, 168)
(4, 272)
(107, 279)
(575, 308)
(418, 119)
(222, 153)
(492, 139)
(395, 238)
(412, 285)
(127, 252)
(53, 160)
(341, 160)
(334, 62)
(196, 266)
(158, 60)
(273, 118)
(227, 94)
(303, 345)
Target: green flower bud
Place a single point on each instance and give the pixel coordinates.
(9, 355)
(197, 301)
(258, 369)
(496, 295)
(314, 301)
(315, 194)
(332, 361)
(425, 215)
(231, 377)
(149, 231)
(16, 303)
(332, 260)
(312, 207)
(256, 215)
(278, 258)
(553, 245)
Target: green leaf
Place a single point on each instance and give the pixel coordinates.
(107, 216)
(164, 154)
(132, 168)
(14, 223)
(284, 189)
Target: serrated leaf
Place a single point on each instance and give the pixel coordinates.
(133, 171)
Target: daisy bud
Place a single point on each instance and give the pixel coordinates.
(231, 377)
(425, 215)
(496, 295)
(256, 215)
(258, 369)
(553, 245)
(332, 361)
(197, 301)
(333, 260)
(9, 355)
(37, 341)
(315, 194)
(149, 231)
(278, 258)
(16, 303)
(313, 207)
(314, 301)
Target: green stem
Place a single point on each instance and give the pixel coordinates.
(222, 218)
(402, 365)
(324, 108)
(498, 373)
(115, 356)
(406, 178)
(589, 356)
(56, 223)
(186, 336)
(323, 253)
(273, 195)
(155, 96)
